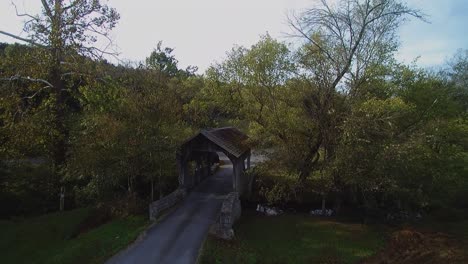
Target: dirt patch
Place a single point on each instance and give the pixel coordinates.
(412, 247)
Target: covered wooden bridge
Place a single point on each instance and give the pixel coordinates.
(201, 149)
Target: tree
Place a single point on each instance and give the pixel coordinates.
(162, 60)
(351, 36)
(23, 116)
(64, 32)
(459, 68)
(342, 43)
(126, 140)
(249, 85)
(458, 74)
(403, 147)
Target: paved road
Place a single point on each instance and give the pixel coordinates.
(179, 236)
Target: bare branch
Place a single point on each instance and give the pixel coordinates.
(23, 15)
(93, 51)
(30, 41)
(47, 9)
(37, 92)
(351, 32)
(17, 77)
(296, 25)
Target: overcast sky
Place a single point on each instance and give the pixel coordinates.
(202, 31)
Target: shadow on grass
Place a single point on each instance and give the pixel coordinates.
(294, 239)
(53, 238)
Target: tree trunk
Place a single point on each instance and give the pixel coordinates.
(62, 199)
(55, 73)
(60, 112)
(310, 160)
(323, 204)
(160, 185)
(152, 189)
(339, 187)
(338, 202)
(129, 184)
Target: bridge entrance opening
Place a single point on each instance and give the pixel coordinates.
(209, 147)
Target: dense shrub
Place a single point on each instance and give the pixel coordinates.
(27, 189)
(273, 187)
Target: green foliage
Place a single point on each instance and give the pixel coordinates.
(405, 151)
(164, 62)
(27, 188)
(25, 107)
(124, 139)
(61, 35)
(38, 104)
(254, 89)
(273, 185)
(123, 126)
(386, 137)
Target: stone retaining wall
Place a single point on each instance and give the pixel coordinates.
(155, 208)
(230, 212)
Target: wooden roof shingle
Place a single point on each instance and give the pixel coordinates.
(230, 139)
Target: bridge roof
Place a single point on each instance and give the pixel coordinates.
(231, 139)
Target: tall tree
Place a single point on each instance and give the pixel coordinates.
(65, 31)
(341, 43)
(163, 60)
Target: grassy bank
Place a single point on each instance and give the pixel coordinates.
(52, 238)
(294, 239)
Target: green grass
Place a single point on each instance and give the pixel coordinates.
(47, 239)
(294, 239)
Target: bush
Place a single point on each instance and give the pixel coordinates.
(27, 189)
(276, 188)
